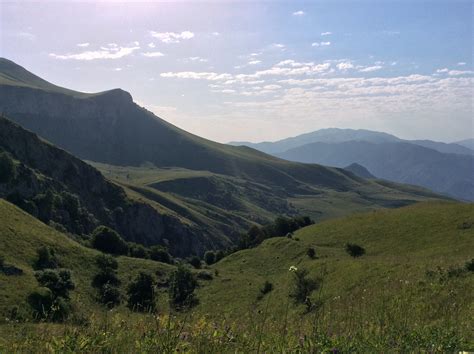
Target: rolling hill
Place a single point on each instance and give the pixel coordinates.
(403, 289)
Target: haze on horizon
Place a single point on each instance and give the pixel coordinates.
(259, 71)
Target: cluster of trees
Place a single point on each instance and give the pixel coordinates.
(106, 281)
(51, 301)
(7, 168)
(109, 241)
(280, 227)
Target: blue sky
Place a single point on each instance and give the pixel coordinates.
(261, 70)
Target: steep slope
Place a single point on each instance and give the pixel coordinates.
(61, 189)
(449, 174)
(109, 127)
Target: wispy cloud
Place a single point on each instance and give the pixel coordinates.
(83, 45)
(153, 54)
(197, 59)
(345, 66)
(111, 51)
(254, 62)
(326, 33)
(299, 13)
(172, 37)
(369, 69)
(461, 63)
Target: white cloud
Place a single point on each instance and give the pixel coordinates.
(272, 87)
(461, 63)
(298, 13)
(441, 71)
(197, 59)
(118, 69)
(459, 72)
(26, 35)
(111, 51)
(279, 46)
(151, 45)
(369, 69)
(215, 33)
(83, 45)
(211, 76)
(153, 54)
(321, 44)
(345, 66)
(326, 33)
(254, 62)
(172, 37)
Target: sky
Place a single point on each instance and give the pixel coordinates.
(261, 71)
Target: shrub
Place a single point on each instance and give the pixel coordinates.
(160, 254)
(469, 266)
(181, 288)
(141, 293)
(7, 168)
(209, 257)
(303, 287)
(195, 262)
(354, 250)
(59, 282)
(46, 258)
(109, 295)
(107, 272)
(45, 306)
(138, 251)
(266, 287)
(311, 252)
(109, 241)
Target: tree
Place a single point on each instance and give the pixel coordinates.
(106, 280)
(160, 254)
(46, 258)
(141, 293)
(109, 241)
(354, 250)
(7, 168)
(209, 257)
(195, 262)
(311, 252)
(138, 251)
(59, 282)
(181, 288)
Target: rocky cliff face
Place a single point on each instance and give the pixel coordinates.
(42, 167)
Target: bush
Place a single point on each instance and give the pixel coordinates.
(109, 241)
(141, 293)
(354, 250)
(138, 251)
(7, 168)
(160, 254)
(311, 253)
(109, 295)
(45, 306)
(469, 266)
(303, 287)
(195, 262)
(107, 272)
(266, 288)
(181, 288)
(210, 257)
(203, 275)
(58, 281)
(46, 258)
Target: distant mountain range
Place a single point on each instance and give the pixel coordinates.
(444, 168)
(209, 192)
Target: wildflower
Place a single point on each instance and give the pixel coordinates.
(293, 269)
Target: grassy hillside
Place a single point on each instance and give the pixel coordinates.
(408, 292)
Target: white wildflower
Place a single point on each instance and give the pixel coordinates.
(293, 269)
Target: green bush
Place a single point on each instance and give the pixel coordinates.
(204, 275)
(58, 281)
(160, 254)
(47, 307)
(181, 288)
(354, 250)
(141, 293)
(210, 257)
(266, 287)
(303, 287)
(107, 271)
(195, 262)
(136, 250)
(109, 295)
(109, 241)
(311, 252)
(7, 168)
(46, 258)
